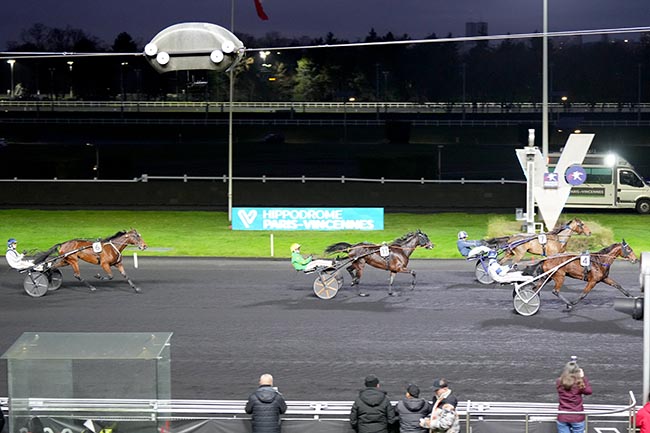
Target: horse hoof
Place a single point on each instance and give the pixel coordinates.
(363, 295)
(391, 293)
(93, 289)
(137, 289)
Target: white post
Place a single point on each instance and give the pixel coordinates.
(135, 260)
(530, 182)
(272, 246)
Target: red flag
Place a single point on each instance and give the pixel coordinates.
(260, 10)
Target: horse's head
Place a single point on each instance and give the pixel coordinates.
(134, 238)
(627, 252)
(423, 240)
(577, 226)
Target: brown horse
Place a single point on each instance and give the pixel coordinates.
(393, 257)
(516, 246)
(596, 271)
(105, 253)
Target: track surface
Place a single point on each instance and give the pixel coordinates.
(235, 319)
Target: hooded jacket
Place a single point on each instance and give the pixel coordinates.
(409, 411)
(571, 401)
(643, 418)
(266, 405)
(372, 411)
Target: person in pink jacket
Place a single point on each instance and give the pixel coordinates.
(643, 418)
(571, 386)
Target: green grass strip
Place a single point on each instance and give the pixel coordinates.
(190, 233)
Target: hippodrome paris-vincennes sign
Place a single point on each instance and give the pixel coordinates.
(255, 218)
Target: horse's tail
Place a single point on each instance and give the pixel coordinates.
(534, 270)
(43, 256)
(340, 247)
(497, 243)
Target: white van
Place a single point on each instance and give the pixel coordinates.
(612, 183)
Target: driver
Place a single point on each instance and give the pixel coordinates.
(504, 273)
(15, 259)
(464, 245)
(308, 263)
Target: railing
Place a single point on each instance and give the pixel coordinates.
(264, 179)
(174, 410)
(324, 107)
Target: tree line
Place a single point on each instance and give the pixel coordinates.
(603, 70)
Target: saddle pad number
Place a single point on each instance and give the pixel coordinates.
(585, 260)
(542, 239)
(384, 251)
(97, 247)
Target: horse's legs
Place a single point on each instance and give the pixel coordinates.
(356, 270)
(558, 279)
(107, 268)
(413, 280)
(613, 283)
(390, 284)
(77, 273)
(120, 268)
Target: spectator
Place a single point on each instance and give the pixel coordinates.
(442, 392)
(411, 409)
(571, 386)
(464, 245)
(444, 417)
(643, 418)
(372, 411)
(266, 404)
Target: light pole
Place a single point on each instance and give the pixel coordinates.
(96, 166)
(123, 65)
(11, 62)
(440, 147)
(70, 63)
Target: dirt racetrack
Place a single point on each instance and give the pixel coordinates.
(233, 319)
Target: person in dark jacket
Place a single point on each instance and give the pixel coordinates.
(371, 411)
(266, 405)
(410, 409)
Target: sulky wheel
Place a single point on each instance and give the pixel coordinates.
(526, 301)
(327, 284)
(55, 278)
(36, 284)
(482, 274)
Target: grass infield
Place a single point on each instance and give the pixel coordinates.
(208, 234)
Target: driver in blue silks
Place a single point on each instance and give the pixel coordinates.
(464, 245)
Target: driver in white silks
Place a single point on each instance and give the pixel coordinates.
(15, 259)
(504, 273)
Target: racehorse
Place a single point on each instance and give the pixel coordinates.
(516, 246)
(596, 271)
(393, 257)
(105, 253)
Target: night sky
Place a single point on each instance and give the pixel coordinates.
(347, 19)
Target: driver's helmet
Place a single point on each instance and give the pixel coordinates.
(492, 254)
(295, 247)
(462, 234)
(10, 242)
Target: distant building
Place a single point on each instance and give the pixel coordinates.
(479, 28)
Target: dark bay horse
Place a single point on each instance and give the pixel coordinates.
(595, 272)
(516, 246)
(104, 252)
(393, 257)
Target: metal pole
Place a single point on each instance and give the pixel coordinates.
(638, 105)
(545, 83)
(232, 91)
(11, 66)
